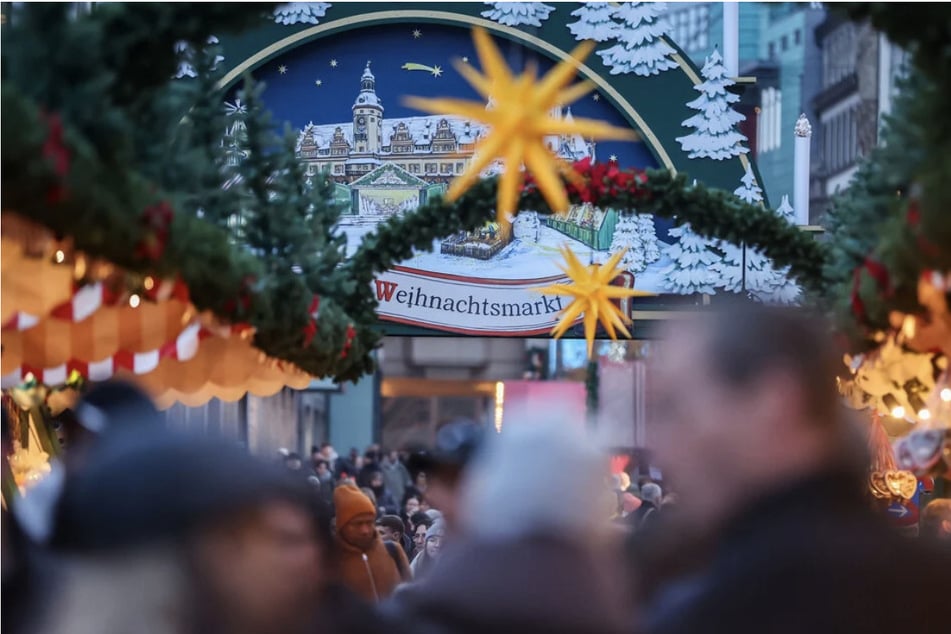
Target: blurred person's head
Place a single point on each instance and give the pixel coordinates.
(367, 491)
(293, 462)
(443, 465)
(651, 492)
(624, 481)
(936, 520)
(391, 527)
(327, 451)
(355, 519)
(419, 536)
(411, 505)
(376, 480)
(434, 537)
(354, 453)
(420, 519)
(214, 517)
(744, 401)
(501, 500)
(322, 468)
(420, 481)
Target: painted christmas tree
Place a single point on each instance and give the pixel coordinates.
(186, 58)
(640, 49)
(300, 12)
(518, 13)
(715, 136)
(636, 234)
(762, 282)
(595, 22)
(785, 290)
(691, 270)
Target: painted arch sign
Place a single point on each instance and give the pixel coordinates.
(337, 73)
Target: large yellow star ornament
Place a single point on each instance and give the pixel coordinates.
(520, 118)
(593, 294)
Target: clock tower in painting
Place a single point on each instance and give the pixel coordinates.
(367, 117)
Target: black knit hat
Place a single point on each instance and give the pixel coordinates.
(155, 485)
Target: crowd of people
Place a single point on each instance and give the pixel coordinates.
(142, 528)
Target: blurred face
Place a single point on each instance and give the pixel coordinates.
(433, 545)
(360, 531)
(419, 537)
(387, 533)
(695, 426)
(322, 469)
(421, 480)
(376, 480)
(293, 464)
(411, 507)
(276, 543)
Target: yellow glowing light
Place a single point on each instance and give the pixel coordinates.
(898, 412)
(60, 256)
(134, 301)
(592, 292)
(924, 414)
(520, 119)
(148, 283)
(946, 394)
(499, 405)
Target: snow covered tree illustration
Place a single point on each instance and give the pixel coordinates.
(636, 234)
(691, 269)
(300, 12)
(762, 281)
(518, 13)
(785, 289)
(715, 135)
(595, 22)
(186, 58)
(640, 49)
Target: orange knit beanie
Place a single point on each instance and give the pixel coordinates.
(349, 501)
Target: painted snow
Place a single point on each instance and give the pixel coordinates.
(300, 12)
(518, 13)
(638, 28)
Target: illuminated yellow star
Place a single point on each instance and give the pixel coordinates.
(592, 292)
(520, 121)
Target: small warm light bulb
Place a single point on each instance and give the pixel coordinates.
(946, 394)
(898, 412)
(134, 301)
(148, 283)
(60, 256)
(924, 414)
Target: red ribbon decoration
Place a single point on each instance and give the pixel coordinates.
(351, 333)
(56, 152)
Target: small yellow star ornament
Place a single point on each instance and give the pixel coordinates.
(593, 294)
(520, 118)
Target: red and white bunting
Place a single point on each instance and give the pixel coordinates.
(182, 348)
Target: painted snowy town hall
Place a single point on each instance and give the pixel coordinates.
(345, 98)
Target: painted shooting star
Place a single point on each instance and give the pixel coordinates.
(435, 70)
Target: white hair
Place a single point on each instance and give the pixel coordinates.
(652, 493)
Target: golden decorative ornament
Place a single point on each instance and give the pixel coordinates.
(593, 294)
(520, 117)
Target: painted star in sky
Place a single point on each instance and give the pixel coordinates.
(465, 59)
(520, 123)
(319, 83)
(613, 158)
(282, 69)
(333, 63)
(437, 71)
(593, 297)
(417, 34)
(596, 97)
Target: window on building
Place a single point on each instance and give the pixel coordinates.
(338, 169)
(772, 50)
(460, 167)
(445, 168)
(431, 168)
(784, 43)
(797, 36)
(690, 28)
(769, 123)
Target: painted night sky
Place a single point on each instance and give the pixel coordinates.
(294, 96)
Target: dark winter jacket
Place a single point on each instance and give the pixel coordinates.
(542, 585)
(375, 577)
(810, 558)
(396, 478)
